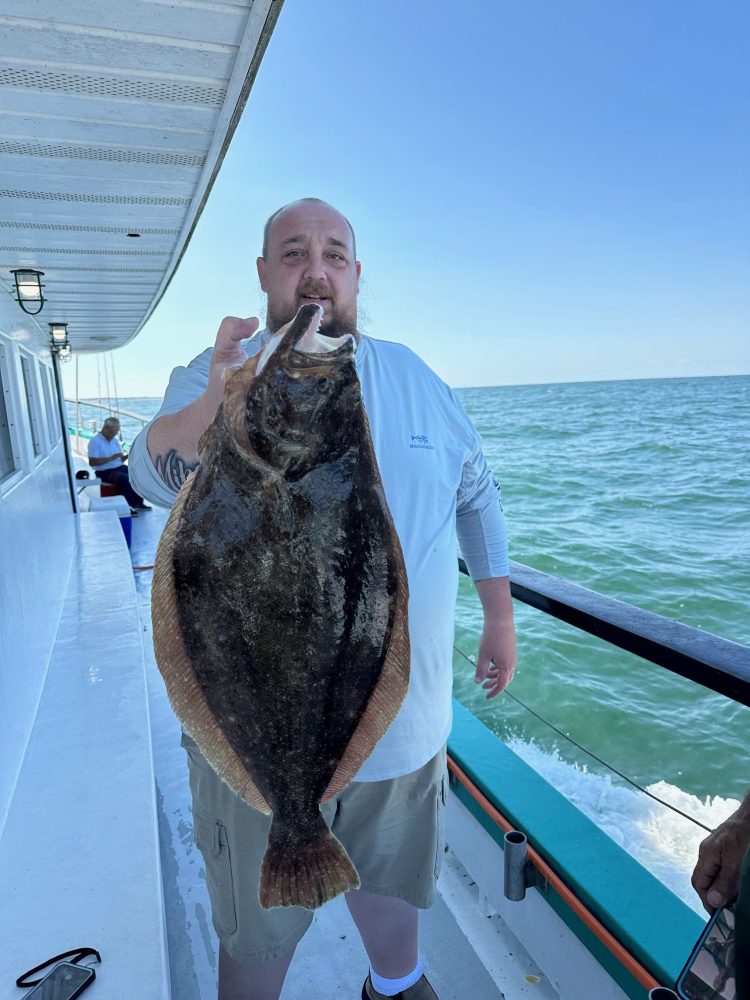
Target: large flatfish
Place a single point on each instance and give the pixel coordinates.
(280, 601)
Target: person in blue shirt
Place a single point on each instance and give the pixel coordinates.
(107, 459)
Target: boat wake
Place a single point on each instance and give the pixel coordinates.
(665, 843)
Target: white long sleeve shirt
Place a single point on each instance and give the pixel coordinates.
(440, 491)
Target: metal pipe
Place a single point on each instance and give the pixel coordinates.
(66, 440)
(662, 993)
(520, 874)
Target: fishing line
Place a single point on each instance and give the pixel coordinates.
(604, 763)
(114, 386)
(106, 383)
(99, 378)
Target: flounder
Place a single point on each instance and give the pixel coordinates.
(280, 601)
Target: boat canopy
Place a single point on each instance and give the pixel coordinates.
(114, 122)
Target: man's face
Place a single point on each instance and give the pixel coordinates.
(110, 431)
(310, 258)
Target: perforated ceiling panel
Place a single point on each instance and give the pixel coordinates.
(125, 88)
(114, 121)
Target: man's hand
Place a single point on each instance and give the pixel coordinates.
(716, 877)
(173, 438)
(496, 659)
(228, 353)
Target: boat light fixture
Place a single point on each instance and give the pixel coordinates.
(58, 333)
(58, 341)
(29, 289)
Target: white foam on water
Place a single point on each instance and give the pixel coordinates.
(665, 843)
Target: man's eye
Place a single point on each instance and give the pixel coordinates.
(293, 253)
(335, 256)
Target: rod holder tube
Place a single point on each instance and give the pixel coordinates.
(662, 993)
(520, 874)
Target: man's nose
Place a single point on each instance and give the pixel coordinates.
(315, 267)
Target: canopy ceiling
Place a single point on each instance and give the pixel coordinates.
(114, 120)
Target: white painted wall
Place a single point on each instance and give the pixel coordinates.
(36, 542)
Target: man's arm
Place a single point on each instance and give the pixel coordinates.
(716, 877)
(483, 539)
(96, 462)
(496, 660)
(173, 438)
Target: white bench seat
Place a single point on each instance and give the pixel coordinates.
(79, 852)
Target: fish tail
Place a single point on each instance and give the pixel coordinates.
(308, 874)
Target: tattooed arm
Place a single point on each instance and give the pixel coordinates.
(173, 438)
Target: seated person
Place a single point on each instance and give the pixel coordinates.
(721, 876)
(106, 457)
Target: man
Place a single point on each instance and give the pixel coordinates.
(435, 479)
(721, 874)
(107, 457)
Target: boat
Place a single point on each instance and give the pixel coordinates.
(113, 139)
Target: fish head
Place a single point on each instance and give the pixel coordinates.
(302, 404)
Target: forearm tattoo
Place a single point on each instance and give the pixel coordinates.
(173, 468)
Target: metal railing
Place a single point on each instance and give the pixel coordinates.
(117, 410)
(80, 434)
(707, 659)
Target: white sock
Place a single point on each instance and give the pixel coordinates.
(390, 987)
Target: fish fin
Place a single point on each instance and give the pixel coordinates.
(184, 691)
(307, 875)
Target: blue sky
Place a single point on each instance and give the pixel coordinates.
(541, 191)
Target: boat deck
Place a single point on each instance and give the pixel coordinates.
(97, 849)
(467, 953)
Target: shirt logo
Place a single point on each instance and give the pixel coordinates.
(421, 441)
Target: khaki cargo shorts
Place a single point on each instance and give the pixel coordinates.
(393, 831)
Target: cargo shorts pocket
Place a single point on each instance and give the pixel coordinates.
(211, 839)
(440, 804)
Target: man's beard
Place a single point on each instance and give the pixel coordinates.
(333, 325)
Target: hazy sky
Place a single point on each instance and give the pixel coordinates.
(541, 191)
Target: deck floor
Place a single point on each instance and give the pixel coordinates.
(330, 962)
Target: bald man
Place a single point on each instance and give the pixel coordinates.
(390, 819)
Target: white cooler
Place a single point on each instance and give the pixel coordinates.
(120, 506)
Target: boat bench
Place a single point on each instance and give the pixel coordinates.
(653, 924)
(79, 853)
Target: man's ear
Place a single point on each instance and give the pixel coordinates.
(261, 265)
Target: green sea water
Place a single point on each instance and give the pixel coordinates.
(639, 490)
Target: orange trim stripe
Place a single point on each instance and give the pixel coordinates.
(622, 955)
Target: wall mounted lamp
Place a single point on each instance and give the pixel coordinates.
(58, 339)
(29, 289)
(58, 334)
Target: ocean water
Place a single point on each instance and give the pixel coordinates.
(639, 490)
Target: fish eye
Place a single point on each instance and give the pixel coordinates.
(323, 383)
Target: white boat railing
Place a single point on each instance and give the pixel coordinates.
(84, 430)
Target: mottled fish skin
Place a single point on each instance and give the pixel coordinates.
(289, 578)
